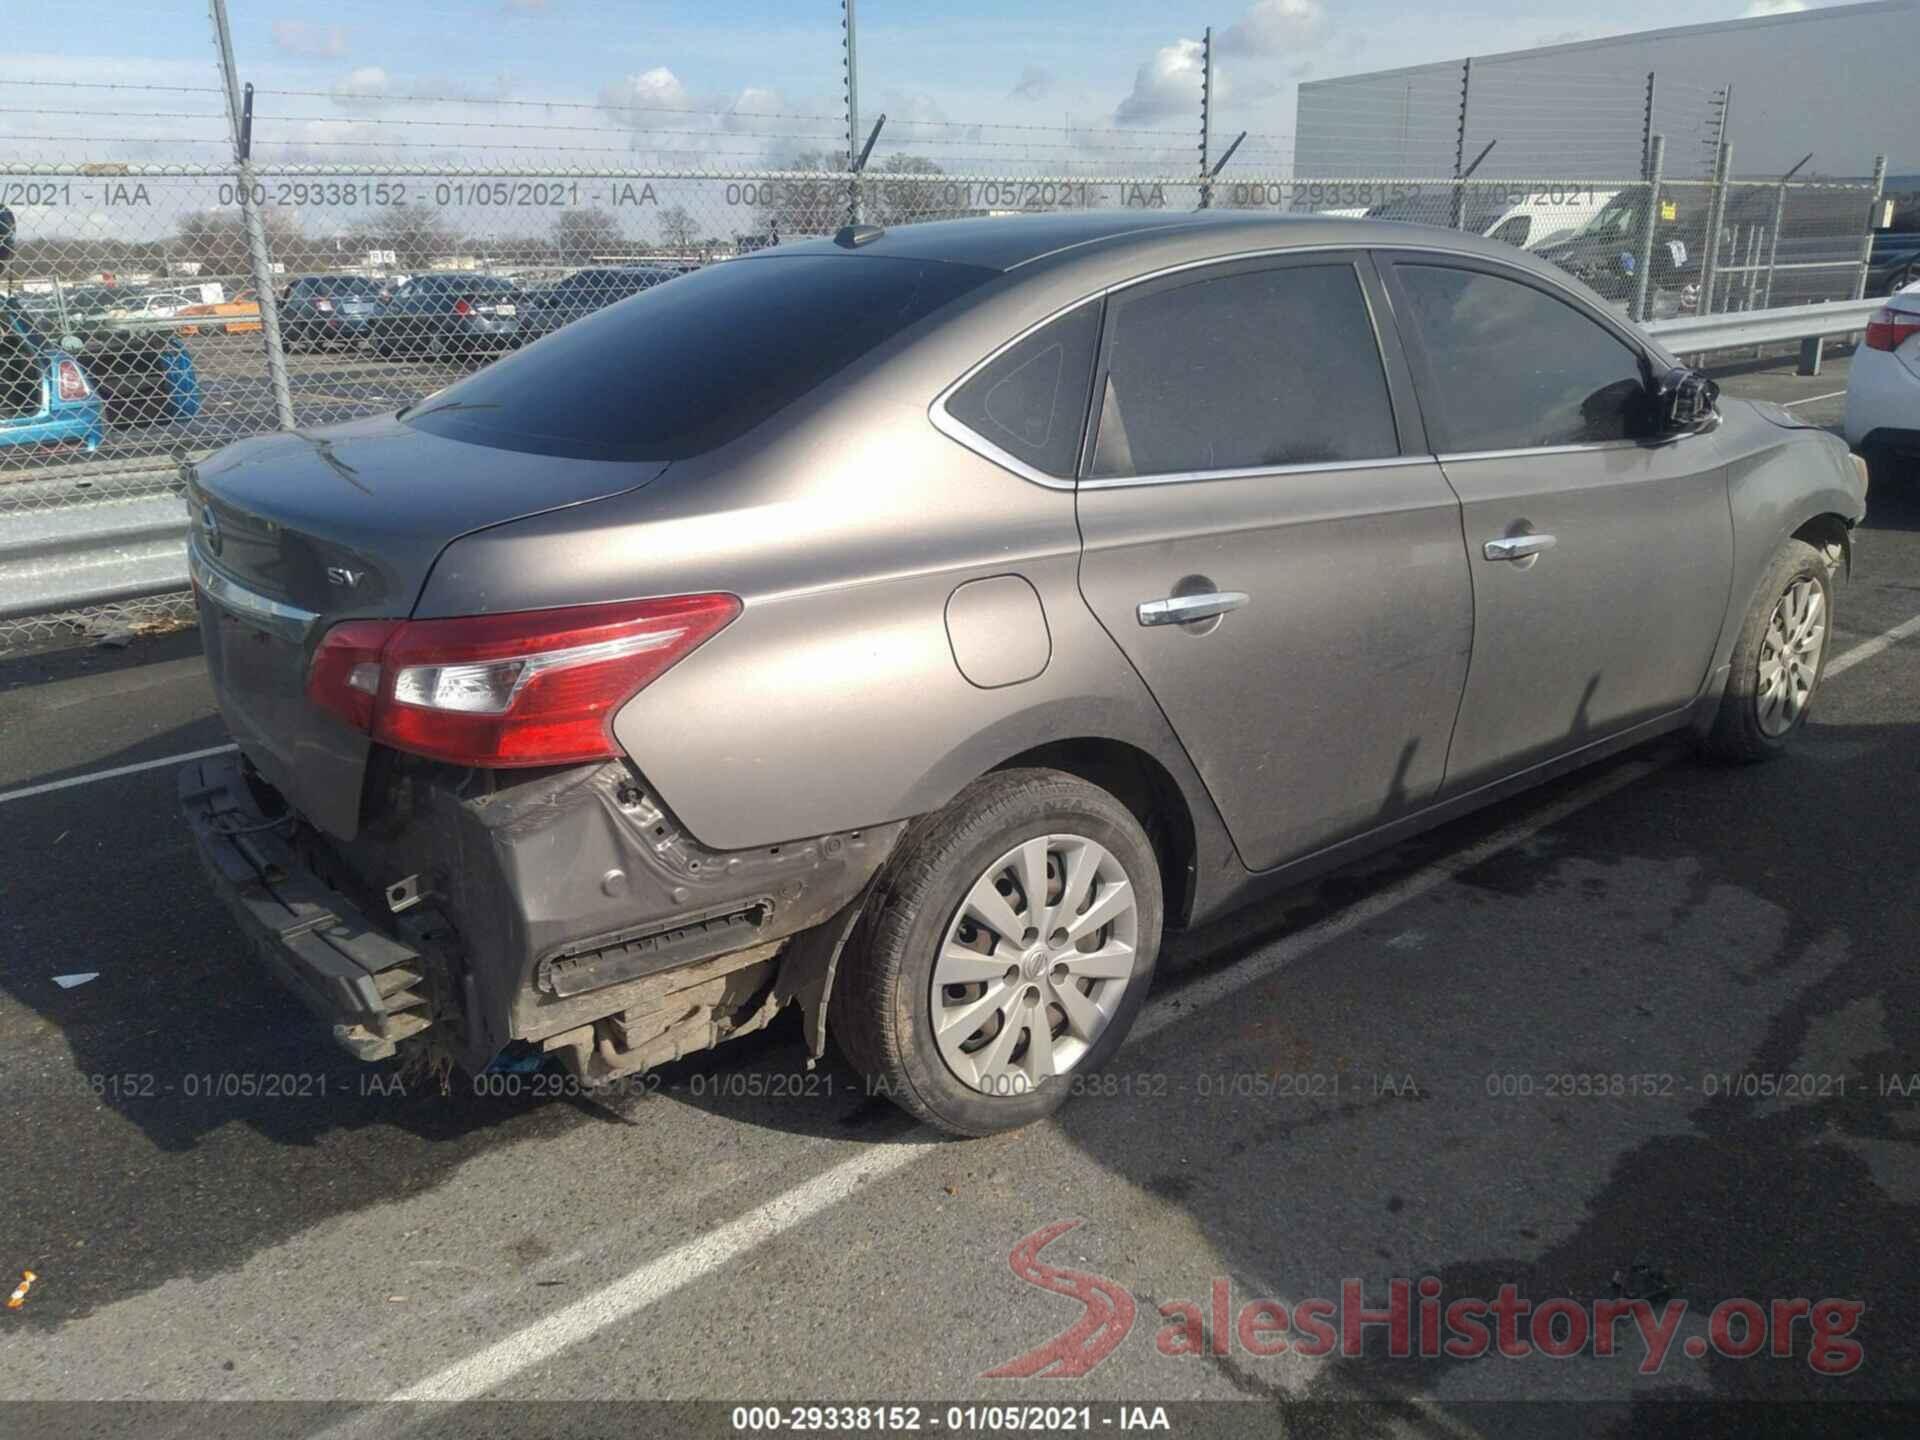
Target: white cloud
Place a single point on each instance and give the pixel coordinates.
(1168, 84)
(368, 82)
(1773, 7)
(655, 89)
(297, 37)
(1274, 27)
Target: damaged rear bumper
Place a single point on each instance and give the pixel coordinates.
(564, 909)
(366, 985)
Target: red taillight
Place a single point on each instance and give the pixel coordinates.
(1889, 328)
(463, 307)
(344, 679)
(536, 687)
(72, 381)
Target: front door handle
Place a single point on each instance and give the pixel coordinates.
(1517, 547)
(1185, 609)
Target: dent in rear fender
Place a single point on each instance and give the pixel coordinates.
(1777, 480)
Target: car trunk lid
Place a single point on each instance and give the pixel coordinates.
(293, 533)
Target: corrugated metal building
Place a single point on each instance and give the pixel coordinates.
(1837, 82)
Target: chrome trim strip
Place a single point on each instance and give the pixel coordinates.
(1315, 467)
(233, 597)
(1575, 449)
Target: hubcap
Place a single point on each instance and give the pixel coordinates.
(1790, 656)
(1034, 963)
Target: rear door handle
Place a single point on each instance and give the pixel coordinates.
(1517, 547)
(1185, 609)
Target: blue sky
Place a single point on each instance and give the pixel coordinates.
(1089, 64)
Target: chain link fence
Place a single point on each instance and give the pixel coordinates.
(164, 299)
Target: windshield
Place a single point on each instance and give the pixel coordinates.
(685, 366)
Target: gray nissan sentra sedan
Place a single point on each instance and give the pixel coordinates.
(910, 626)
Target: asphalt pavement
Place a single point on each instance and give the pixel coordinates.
(1650, 1032)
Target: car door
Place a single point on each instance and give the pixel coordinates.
(1601, 555)
(1267, 540)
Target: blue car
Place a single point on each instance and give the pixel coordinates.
(47, 401)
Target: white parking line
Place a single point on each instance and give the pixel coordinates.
(1812, 399)
(113, 774)
(1867, 649)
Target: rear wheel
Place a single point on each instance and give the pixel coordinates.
(1008, 950)
(1778, 658)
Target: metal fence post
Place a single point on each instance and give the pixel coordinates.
(1460, 147)
(240, 123)
(1866, 241)
(1643, 266)
(1716, 215)
(850, 59)
(1646, 133)
(1206, 115)
(1779, 220)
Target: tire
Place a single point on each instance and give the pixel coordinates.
(920, 923)
(1759, 717)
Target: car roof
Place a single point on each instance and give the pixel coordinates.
(1142, 237)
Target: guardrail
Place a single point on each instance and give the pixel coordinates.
(64, 548)
(1809, 324)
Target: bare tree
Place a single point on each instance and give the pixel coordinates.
(677, 230)
(415, 235)
(790, 209)
(580, 235)
(899, 192)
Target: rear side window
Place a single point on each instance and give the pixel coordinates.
(688, 365)
(1248, 370)
(1509, 367)
(1031, 399)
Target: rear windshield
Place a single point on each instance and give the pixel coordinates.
(688, 365)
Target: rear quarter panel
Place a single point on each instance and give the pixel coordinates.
(835, 701)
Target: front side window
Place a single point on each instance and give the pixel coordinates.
(1031, 399)
(1510, 367)
(1249, 370)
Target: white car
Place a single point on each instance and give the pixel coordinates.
(1883, 384)
(158, 305)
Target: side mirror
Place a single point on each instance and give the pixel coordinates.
(1683, 400)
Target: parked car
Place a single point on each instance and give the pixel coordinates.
(238, 316)
(909, 626)
(1883, 387)
(47, 401)
(584, 292)
(321, 310)
(1895, 261)
(1526, 217)
(149, 305)
(448, 314)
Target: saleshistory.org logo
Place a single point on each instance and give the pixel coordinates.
(1417, 1319)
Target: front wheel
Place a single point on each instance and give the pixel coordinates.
(1006, 952)
(1778, 658)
